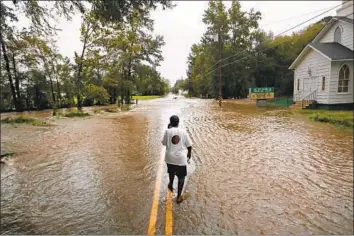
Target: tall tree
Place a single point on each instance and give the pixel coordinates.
(251, 57)
(6, 16)
(41, 15)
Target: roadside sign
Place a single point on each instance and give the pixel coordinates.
(262, 93)
(263, 90)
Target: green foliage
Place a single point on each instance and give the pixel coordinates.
(148, 81)
(97, 93)
(121, 10)
(118, 58)
(252, 58)
(145, 97)
(180, 84)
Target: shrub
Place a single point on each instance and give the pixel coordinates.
(21, 119)
(76, 113)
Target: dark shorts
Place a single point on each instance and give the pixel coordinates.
(180, 171)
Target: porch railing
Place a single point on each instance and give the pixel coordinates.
(306, 101)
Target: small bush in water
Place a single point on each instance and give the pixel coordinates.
(76, 113)
(112, 110)
(23, 120)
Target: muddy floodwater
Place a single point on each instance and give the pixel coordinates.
(253, 171)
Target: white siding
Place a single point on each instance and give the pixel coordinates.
(320, 66)
(334, 96)
(347, 34)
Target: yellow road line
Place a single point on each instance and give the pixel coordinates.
(155, 201)
(169, 218)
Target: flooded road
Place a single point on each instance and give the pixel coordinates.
(253, 171)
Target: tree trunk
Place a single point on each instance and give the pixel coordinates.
(28, 102)
(7, 62)
(52, 88)
(114, 95)
(121, 87)
(49, 74)
(79, 102)
(127, 99)
(17, 82)
(28, 96)
(53, 96)
(58, 91)
(38, 98)
(58, 98)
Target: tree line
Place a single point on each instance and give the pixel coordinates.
(118, 58)
(251, 56)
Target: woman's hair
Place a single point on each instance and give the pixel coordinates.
(169, 126)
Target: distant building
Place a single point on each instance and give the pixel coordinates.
(324, 69)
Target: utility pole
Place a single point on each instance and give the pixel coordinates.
(220, 78)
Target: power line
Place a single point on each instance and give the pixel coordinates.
(279, 34)
(270, 47)
(265, 49)
(294, 17)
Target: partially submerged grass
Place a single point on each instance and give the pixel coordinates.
(106, 109)
(237, 103)
(75, 113)
(342, 118)
(21, 119)
(126, 108)
(338, 118)
(97, 111)
(149, 97)
(279, 112)
(272, 105)
(8, 154)
(111, 110)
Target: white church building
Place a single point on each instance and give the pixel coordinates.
(323, 71)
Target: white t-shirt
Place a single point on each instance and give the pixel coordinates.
(176, 141)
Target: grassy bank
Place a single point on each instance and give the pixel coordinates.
(75, 113)
(126, 107)
(341, 118)
(149, 97)
(21, 119)
(111, 109)
(6, 156)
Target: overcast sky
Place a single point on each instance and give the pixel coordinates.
(182, 26)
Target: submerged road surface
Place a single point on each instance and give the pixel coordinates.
(253, 171)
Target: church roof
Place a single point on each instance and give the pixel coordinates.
(334, 51)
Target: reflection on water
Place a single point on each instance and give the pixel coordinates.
(254, 171)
